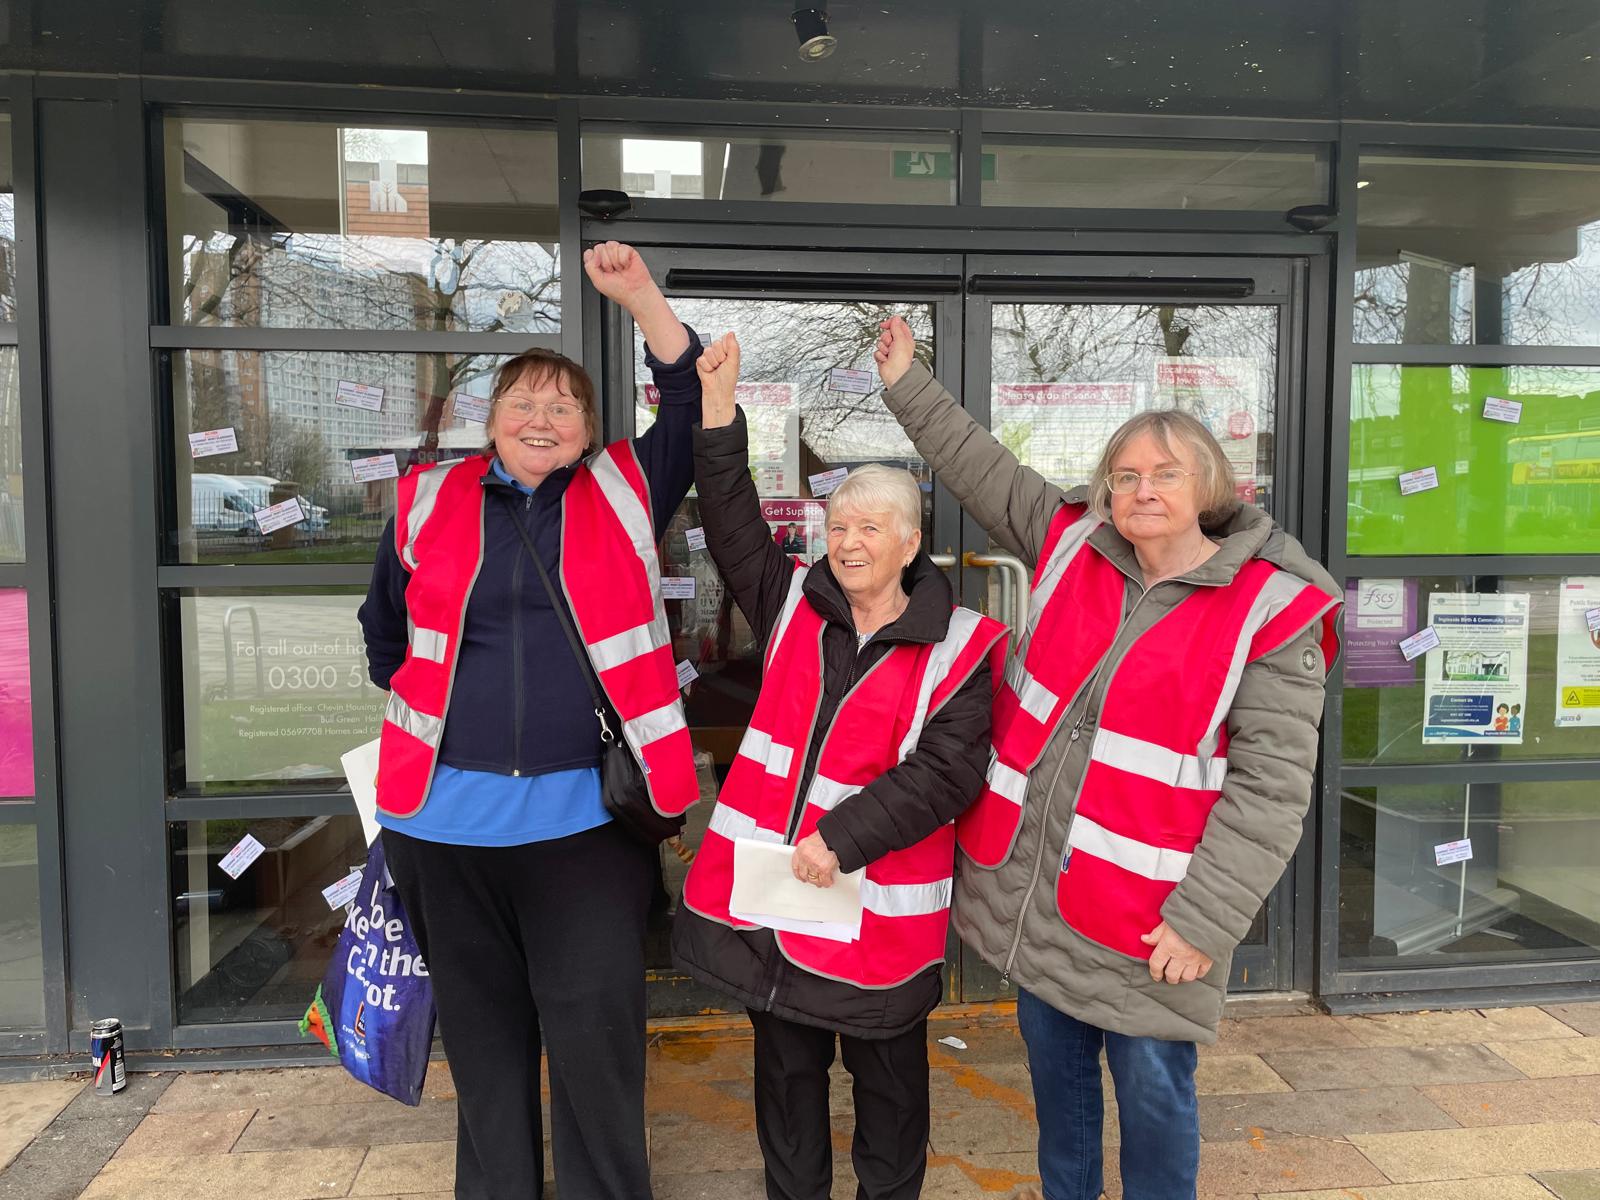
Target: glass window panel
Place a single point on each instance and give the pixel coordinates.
(275, 687)
(16, 697)
(1065, 376)
(314, 225)
(11, 531)
(1149, 174)
(8, 227)
(1554, 683)
(21, 948)
(1532, 487)
(1529, 893)
(297, 437)
(255, 948)
(1462, 250)
(795, 165)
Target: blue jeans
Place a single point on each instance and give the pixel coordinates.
(1156, 1106)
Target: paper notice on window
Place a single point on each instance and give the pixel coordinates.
(1422, 480)
(341, 893)
(237, 861)
(280, 516)
(1496, 409)
(677, 587)
(1477, 679)
(824, 483)
(696, 538)
(359, 395)
(370, 470)
(765, 892)
(1578, 652)
(1419, 642)
(361, 773)
(686, 673)
(472, 409)
(213, 441)
(842, 379)
(1446, 853)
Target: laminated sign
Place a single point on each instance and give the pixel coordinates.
(374, 1010)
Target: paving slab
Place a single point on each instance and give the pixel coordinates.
(689, 1151)
(403, 1168)
(1319, 1114)
(176, 1134)
(1454, 1026)
(976, 1176)
(712, 1185)
(1492, 1150)
(1499, 1187)
(984, 1129)
(1585, 1018)
(1520, 1101)
(322, 1125)
(1552, 1058)
(1572, 1185)
(280, 1088)
(1236, 1075)
(1258, 1034)
(1328, 1070)
(1265, 1165)
(144, 1089)
(294, 1175)
(675, 1060)
(62, 1160)
(27, 1108)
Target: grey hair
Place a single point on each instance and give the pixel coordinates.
(877, 488)
(1214, 482)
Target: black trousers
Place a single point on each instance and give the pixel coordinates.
(890, 1086)
(523, 941)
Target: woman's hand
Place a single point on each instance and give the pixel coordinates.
(1173, 959)
(813, 862)
(895, 349)
(719, 372)
(618, 273)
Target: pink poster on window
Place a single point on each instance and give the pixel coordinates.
(16, 702)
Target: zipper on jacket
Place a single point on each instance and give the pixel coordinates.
(516, 650)
(800, 807)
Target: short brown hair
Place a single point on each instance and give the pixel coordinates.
(535, 367)
(1214, 482)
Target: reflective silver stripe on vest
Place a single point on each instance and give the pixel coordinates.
(1072, 540)
(1275, 596)
(1004, 781)
(826, 793)
(429, 644)
(905, 899)
(1037, 700)
(1157, 762)
(775, 757)
(1153, 862)
(423, 500)
(624, 647)
(653, 726)
(732, 824)
(418, 724)
(791, 602)
(963, 624)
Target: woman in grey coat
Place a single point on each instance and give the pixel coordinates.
(1154, 749)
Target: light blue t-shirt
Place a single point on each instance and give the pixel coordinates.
(483, 808)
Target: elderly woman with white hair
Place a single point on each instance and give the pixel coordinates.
(870, 736)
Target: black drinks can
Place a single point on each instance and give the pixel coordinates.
(105, 1052)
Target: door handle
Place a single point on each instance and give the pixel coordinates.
(1013, 584)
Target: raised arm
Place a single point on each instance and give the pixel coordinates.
(619, 274)
(1013, 502)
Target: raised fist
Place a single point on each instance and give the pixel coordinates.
(894, 351)
(718, 366)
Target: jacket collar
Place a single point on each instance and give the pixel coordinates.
(1241, 538)
(926, 618)
(551, 489)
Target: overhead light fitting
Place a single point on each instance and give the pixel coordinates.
(811, 27)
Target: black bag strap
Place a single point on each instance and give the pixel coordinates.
(566, 623)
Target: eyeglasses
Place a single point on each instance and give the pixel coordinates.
(558, 412)
(1169, 479)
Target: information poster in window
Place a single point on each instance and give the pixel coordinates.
(772, 419)
(1377, 614)
(1224, 394)
(1059, 429)
(1578, 653)
(1477, 677)
(799, 527)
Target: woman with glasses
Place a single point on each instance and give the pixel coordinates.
(528, 901)
(1154, 743)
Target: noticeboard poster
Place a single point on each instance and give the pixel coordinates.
(799, 527)
(1059, 429)
(1577, 653)
(1477, 677)
(1378, 613)
(1224, 394)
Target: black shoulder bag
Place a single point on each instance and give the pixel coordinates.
(622, 786)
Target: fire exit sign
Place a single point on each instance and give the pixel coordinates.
(933, 164)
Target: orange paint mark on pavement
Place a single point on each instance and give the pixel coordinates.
(990, 1179)
(980, 1086)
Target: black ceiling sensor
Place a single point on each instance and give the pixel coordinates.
(1308, 218)
(811, 27)
(603, 202)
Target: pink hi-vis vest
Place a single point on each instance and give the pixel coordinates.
(906, 893)
(1159, 753)
(611, 578)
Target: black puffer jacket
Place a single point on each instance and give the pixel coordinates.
(933, 785)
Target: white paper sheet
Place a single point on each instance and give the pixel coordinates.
(766, 893)
(361, 770)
